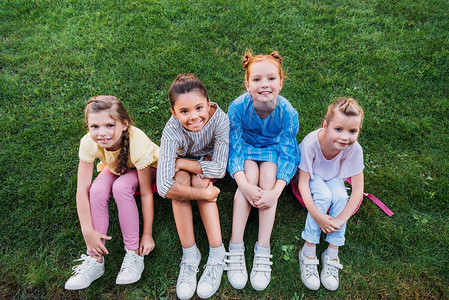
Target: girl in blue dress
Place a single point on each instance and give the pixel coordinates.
(263, 157)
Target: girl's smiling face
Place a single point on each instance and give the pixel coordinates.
(192, 110)
(106, 131)
(264, 82)
(341, 131)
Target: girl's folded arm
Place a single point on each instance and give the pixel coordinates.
(184, 192)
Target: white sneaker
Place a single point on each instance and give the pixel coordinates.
(236, 268)
(132, 267)
(186, 285)
(211, 279)
(308, 267)
(85, 273)
(329, 273)
(261, 272)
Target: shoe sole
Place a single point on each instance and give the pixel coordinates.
(83, 287)
(129, 282)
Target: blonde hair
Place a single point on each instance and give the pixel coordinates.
(273, 57)
(117, 112)
(348, 106)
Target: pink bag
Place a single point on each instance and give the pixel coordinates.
(295, 190)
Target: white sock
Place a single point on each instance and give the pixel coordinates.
(217, 254)
(308, 251)
(332, 253)
(190, 253)
(262, 249)
(236, 246)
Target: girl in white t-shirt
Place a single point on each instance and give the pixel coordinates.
(328, 156)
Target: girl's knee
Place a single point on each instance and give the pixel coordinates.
(183, 177)
(322, 196)
(199, 182)
(121, 189)
(98, 193)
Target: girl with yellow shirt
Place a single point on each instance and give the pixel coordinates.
(128, 159)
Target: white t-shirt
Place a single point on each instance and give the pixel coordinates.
(347, 163)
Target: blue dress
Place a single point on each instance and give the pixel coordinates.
(272, 139)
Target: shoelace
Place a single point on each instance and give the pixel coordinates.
(187, 268)
(311, 270)
(235, 260)
(84, 267)
(211, 269)
(262, 262)
(129, 262)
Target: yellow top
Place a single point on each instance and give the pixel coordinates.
(142, 152)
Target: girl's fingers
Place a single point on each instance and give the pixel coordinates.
(104, 250)
(106, 237)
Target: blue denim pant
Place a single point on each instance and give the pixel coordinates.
(327, 195)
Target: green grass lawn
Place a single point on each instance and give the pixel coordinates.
(392, 56)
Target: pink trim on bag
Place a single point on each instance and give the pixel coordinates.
(373, 198)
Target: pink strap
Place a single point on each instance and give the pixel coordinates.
(373, 198)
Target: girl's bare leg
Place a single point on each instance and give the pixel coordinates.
(182, 211)
(242, 207)
(209, 214)
(268, 172)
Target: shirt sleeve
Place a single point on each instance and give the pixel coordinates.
(307, 155)
(288, 157)
(143, 151)
(166, 164)
(88, 149)
(235, 161)
(353, 163)
(216, 168)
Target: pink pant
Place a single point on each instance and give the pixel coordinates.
(123, 188)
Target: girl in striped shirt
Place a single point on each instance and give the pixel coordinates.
(194, 151)
(263, 157)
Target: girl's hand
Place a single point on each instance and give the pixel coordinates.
(211, 192)
(268, 199)
(146, 245)
(338, 221)
(326, 223)
(94, 244)
(251, 192)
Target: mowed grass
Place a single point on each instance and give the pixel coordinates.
(392, 56)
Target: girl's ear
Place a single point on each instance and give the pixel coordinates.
(325, 124)
(282, 84)
(247, 85)
(173, 113)
(126, 124)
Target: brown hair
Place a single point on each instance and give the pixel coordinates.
(186, 83)
(348, 106)
(273, 57)
(117, 112)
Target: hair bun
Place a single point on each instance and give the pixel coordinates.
(184, 77)
(276, 56)
(247, 57)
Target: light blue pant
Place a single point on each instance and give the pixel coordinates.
(326, 194)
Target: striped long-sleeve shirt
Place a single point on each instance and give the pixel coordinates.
(212, 140)
(272, 139)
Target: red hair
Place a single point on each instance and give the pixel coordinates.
(273, 57)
